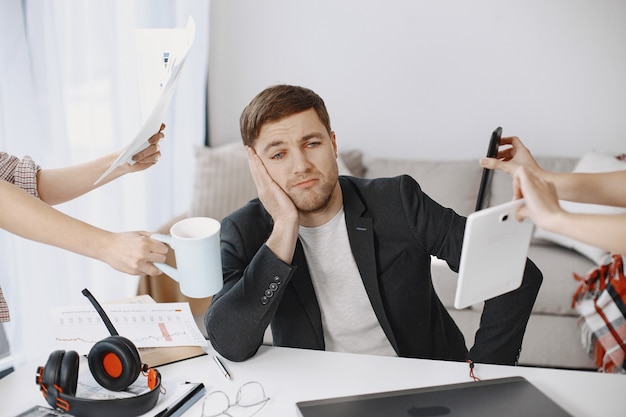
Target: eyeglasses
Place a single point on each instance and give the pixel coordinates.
(250, 394)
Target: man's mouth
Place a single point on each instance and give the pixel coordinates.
(306, 183)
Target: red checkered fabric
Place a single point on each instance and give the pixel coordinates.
(601, 302)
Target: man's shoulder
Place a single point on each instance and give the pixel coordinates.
(373, 194)
(381, 184)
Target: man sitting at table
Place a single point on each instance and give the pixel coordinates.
(342, 263)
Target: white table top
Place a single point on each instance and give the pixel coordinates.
(292, 375)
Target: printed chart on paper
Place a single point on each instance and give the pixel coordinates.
(146, 325)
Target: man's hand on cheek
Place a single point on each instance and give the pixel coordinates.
(274, 199)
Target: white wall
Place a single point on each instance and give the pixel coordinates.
(431, 79)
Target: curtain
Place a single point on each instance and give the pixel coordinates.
(68, 94)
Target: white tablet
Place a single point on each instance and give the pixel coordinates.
(493, 257)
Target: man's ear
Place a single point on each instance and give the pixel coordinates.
(333, 141)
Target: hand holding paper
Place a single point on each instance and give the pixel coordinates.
(162, 56)
(148, 156)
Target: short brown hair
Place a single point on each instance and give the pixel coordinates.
(275, 103)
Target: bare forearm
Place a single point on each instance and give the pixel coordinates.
(33, 219)
(57, 186)
(604, 231)
(607, 188)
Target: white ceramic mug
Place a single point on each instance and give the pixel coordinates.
(196, 244)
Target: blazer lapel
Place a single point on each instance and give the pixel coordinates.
(303, 287)
(361, 236)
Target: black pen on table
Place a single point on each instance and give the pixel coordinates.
(222, 367)
(184, 403)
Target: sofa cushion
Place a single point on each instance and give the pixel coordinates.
(222, 180)
(452, 184)
(558, 265)
(353, 162)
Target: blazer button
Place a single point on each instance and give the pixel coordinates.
(264, 300)
(273, 286)
(277, 279)
(269, 293)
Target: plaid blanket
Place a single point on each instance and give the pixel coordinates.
(601, 302)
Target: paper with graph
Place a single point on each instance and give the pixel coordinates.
(146, 325)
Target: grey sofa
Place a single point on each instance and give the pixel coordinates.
(222, 183)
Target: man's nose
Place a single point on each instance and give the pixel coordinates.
(300, 162)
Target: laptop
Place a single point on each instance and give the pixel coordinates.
(503, 397)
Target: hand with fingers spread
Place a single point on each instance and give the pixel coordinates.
(511, 155)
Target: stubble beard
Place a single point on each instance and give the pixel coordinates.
(313, 201)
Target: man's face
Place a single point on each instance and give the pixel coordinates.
(301, 157)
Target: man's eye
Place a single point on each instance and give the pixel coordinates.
(312, 144)
(278, 155)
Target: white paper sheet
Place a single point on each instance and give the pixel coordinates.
(161, 55)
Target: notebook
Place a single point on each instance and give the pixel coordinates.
(503, 397)
(494, 252)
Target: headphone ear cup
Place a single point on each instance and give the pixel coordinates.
(62, 370)
(48, 374)
(68, 373)
(114, 363)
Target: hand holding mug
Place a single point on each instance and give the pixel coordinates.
(196, 245)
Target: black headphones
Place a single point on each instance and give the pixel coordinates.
(114, 363)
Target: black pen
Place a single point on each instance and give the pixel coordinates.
(186, 401)
(222, 367)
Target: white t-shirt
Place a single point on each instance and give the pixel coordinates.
(348, 318)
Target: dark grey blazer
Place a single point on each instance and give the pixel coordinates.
(393, 228)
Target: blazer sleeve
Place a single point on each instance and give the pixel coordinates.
(504, 318)
(254, 279)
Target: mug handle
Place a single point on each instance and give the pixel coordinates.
(165, 268)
